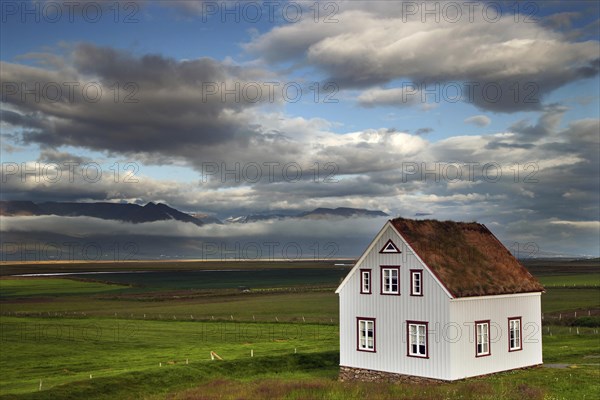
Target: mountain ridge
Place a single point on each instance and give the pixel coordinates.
(135, 213)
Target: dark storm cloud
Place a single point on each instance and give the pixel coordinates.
(49, 156)
(130, 104)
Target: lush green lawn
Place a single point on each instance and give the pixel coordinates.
(579, 280)
(563, 299)
(313, 306)
(274, 372)
(563, 346)
(60, 350)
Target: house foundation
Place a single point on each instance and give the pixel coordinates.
(349, 374)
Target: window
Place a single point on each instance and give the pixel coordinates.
(416, 282)
(390, 281)
(417, 339)
(514, 334)
(365, 281)
(482, 334)
(366, 334)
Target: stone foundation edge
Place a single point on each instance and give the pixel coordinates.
(353, 374)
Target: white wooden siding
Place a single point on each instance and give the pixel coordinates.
(391, 313)
(465, 311)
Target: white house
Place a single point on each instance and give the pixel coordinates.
(439, 300)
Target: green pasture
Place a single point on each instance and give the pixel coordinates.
(58, 351)
(153, 359)
(568, 280)
(149, 336)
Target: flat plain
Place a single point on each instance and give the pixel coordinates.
(149, 333)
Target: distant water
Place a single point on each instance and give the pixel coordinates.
(213, 278)
(115, 272)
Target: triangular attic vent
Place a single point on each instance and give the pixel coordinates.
(389, 247)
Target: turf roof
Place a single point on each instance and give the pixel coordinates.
(466, 257)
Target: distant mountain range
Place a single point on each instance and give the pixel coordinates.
(161, 212)
(115, 211)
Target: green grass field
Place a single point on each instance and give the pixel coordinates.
(152, 338)
(575, 280)
(60, 350)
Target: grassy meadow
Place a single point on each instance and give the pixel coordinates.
(150, 335)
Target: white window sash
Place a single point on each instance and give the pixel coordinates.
(366, 281)
(417, 340)
(390, 279)
(483, 339)
(515, 334)
(366, 335)
(416, 283)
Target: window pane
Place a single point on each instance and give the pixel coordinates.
(417, 339)
(515, 334)
(482, 331)
(366, 281)
(366, 332)
(416, 279)
(390, 280)
(362, 334)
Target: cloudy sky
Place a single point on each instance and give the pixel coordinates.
(467, 111)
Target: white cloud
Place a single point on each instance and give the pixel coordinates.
(400, 97)
(592, 225)
(304, 229)
(479, 120)
(386, 46)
